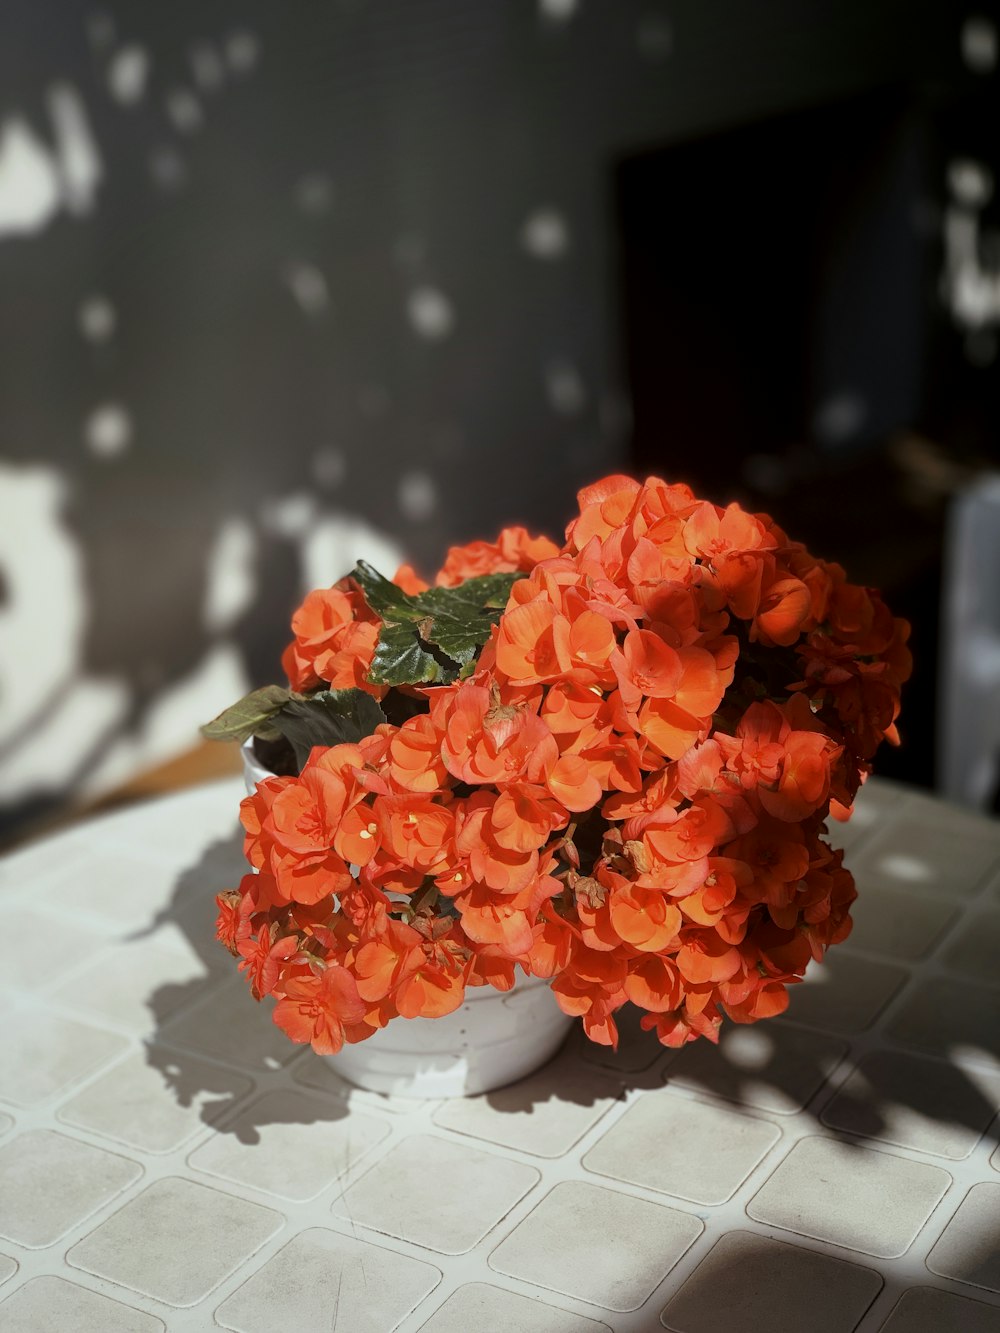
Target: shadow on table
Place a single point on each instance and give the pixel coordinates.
(894, 1096)
(914, 1097)
(212, 1043)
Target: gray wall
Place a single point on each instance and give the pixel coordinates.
(280, 283)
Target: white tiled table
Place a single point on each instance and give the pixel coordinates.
(168, 1159)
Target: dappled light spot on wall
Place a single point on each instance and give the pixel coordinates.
(77, 158)
(557, 12)
(289, 516)
(108, 430)
(42, 568)
(545, 234)
(417, 495)
(970, 282)
(337, 542)
(242, 49)
(128, 73)
(564, 388)
(840, 418)
(35, 181)
(96, 319)
(51, 714)
(430, 312)
(971, 182)
(207, 67)
(184, 110)
(313, 194)
(29, 185)
(654, 37)
(231, 576)
(74, 723)
(172, 722)
(979, 43)
(167, 169)
(329, 467)
(308, 287)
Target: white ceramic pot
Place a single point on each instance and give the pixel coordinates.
(253, 770)
(495, 1037)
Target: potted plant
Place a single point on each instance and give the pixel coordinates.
(600, 770)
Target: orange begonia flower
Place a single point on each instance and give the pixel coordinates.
(506, 923)
(316, 1008)
(533, 643)
(263, 957)
(415, 831)
(684, 1025)
(644, 918)
(655, 984)
(232, 925)
(705, 957)
(486, 740)
(711, 532)
(515, 550)
(624, 792)
(782, 611)
(429, 993)
(333, 642)
(646, 667)
(300, 825)
(415, 759)
(407, 578)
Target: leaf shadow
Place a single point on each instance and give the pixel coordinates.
(213, 1046)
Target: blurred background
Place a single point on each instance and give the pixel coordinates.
(282, 285)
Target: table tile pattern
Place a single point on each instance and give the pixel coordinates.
(52, 1184)
(682, 1147)
(603, 1246)
(751, 1282)
(53, 1305)
(969, 1248)
(169, 1161)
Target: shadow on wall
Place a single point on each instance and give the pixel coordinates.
(77, 712)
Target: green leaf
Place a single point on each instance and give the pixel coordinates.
(401, 658)
(434, 636)
(332, 717)
(462, 617)
(251, 716)
(486, 590)
(386, 599)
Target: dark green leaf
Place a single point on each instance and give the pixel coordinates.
(401, 658)
(461, 618)
(385, 599)
(332, 717)
(489, 591)
(251, 716)
(434, 636)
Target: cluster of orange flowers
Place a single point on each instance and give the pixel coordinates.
(626, 793)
